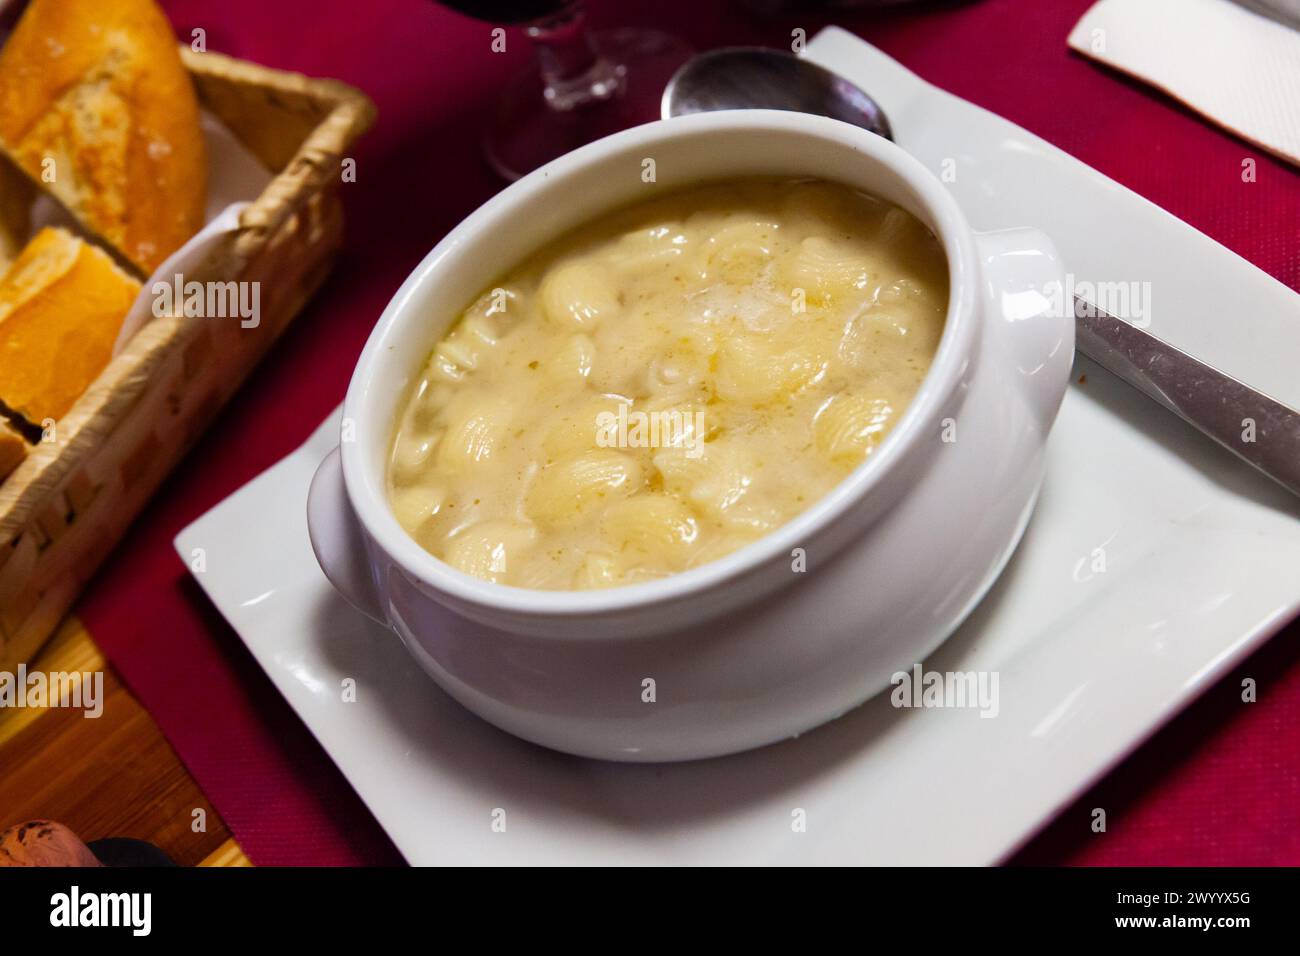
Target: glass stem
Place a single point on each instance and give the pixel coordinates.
(573, 73)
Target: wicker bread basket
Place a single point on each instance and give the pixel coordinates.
(68, 503)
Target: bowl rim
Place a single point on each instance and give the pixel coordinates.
(367, 496)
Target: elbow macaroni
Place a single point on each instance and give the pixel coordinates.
(667, 383)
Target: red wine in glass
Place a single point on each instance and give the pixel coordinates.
(588, 83)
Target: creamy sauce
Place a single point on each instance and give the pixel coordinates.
(667, 383)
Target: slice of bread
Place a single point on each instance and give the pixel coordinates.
(96, 106)
(13, 449)
(62, 303)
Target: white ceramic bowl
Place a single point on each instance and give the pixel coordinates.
(743, 651)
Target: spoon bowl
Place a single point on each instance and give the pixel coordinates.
(739, 78)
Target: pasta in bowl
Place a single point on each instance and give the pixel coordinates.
(668, 383)
(851, 440)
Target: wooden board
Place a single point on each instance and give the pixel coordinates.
(111, 776)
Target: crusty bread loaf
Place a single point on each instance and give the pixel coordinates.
(13, 449)
(62, 303)
(97, 87)
(44, 843)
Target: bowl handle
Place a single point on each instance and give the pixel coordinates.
(338, 540)
(1031, 321)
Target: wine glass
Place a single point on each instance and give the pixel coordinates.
(589, 83)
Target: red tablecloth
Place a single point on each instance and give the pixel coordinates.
(1221, 785)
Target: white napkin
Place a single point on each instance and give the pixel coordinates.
(1234, 66)
(179, 263)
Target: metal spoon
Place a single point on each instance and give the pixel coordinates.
(740, 78)
(1214, 403)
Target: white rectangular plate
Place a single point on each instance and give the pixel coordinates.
(1201, 564)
